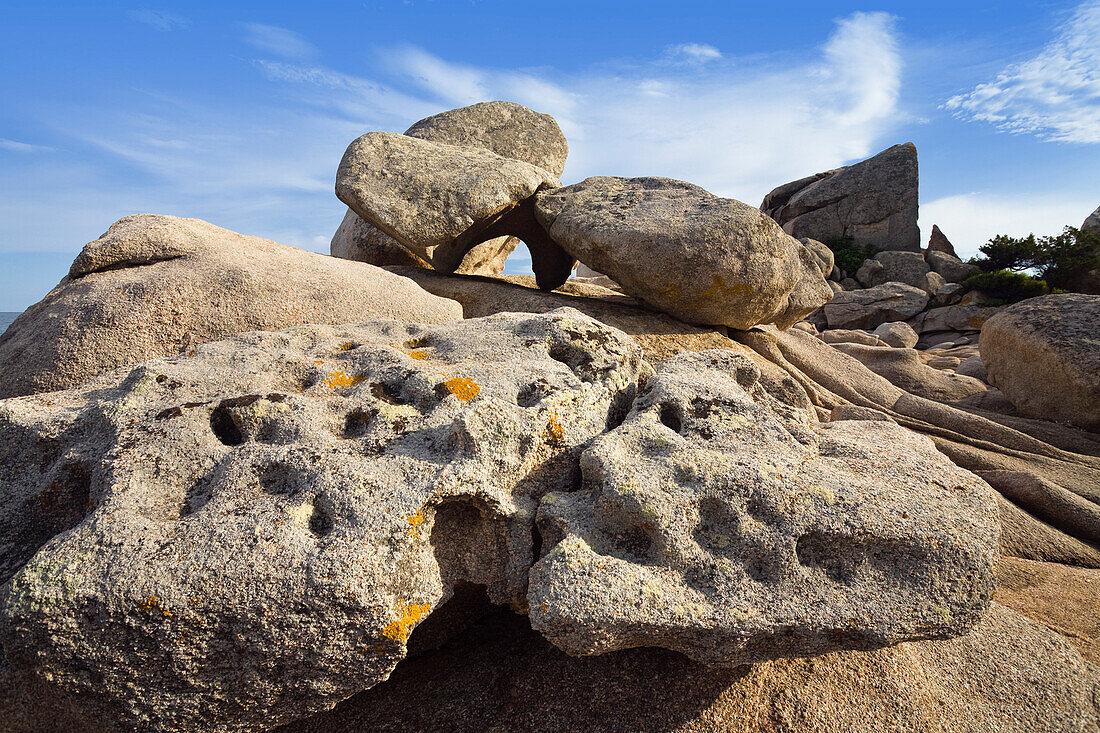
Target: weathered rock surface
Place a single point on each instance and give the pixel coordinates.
(440, 200)
(874, 202)
(950, 267)
(905, 368)
(938, 242)
(236, 539)
(952, 318)
(1092, 223)
(904, 267)
(851, 336)
(505, 128)
(157, 286)
(898, 334)
(713, 507)
(698, 257)
(1044, 354)
(874, 306)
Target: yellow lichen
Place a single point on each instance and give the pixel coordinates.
(417, 354)
(347, 346)
(318, 361)
(408, 615)
(720, 291)
(339, 379)
(463, 388)
(554, 429)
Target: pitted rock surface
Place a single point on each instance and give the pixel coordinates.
(232, 540)
(505, 128)
(698, 257)
(155, 286)
(718, 525)
(426, 194)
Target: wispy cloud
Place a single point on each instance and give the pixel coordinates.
(1055, 95)
(159, 19)
(698, 53)
(16, 146)
(278, 41)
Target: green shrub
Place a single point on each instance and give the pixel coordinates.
(848, 255)
(1005, 286)
(1069, 261)
(1007, 253)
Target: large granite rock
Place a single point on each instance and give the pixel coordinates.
(698, 257)
(1092, 223)
(874, 306)
(891, 266)
(874, 202)
(440, 200)
(905, 368)
(505, 128)
(898, 334)
(1044, 354)
(232, 540)
(953, 318)
(159, 285)
(950, 267)
(716, 522)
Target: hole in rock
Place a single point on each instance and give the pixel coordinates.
(357, 422)
(388, 392)
(468, 545)
(468, 603)
(322, 520)
(837, 556)
(224, 426)
(533, 393)
(280, 479)
(670, 417)
(620, 407)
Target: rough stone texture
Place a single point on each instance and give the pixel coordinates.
(850, 283)
(952, 318)
(904, 267)
(824, 255)
(1092, 223)
(938, 242)
(932, 283)
(905, 368)
(874, 306)
(505, 128)
(256, 530)
(897, 333)
(950, 267)
(715, 507)
(1044, 354)
(1008, 674)
(426, 194)
(874, 202)
(159, 285)
(700, 258)
(851, 336)
(973, 366)
(973, 438)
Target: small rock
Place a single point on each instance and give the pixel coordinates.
(904, 267)
(951, 268)
(944, 362)
(973, 366)
(898, 334)
(952, 318)
(850, 283)
(932, 283)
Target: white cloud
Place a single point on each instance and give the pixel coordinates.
(698, 53)
(970, 220)
(20, 147)
(279, 41)
(159, 19)
(1055, 95)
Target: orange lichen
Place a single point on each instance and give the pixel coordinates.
(152, 603)
(339, 379)
(719, 290)
(463, 388)
(554, 428)
(408, 615)
(348, 346)
(418, 355)
(416, 519)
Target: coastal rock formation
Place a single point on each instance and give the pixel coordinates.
(874, 306)
(234, 539)
(717, 523)
(646, 234)
(440, 200)
(505, 128)
(157, 286)
(938, 242)
(1044, 354)
(874, 202)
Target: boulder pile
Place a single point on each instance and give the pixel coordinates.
(245, 487)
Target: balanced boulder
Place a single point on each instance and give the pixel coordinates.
(505, 128)
(874, 202)
(1044, 354)
(698, 257)
(157, 286)
(441, 200)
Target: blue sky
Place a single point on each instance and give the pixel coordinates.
(238, 112)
